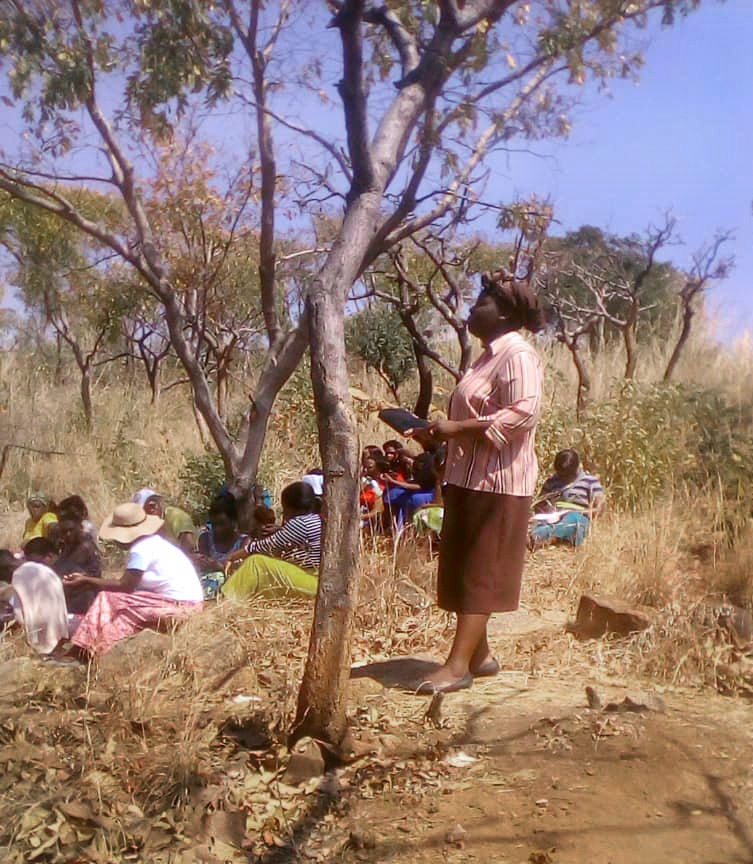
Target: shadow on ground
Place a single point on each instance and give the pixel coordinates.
(404, 672)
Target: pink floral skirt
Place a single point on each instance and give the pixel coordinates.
(114, 615)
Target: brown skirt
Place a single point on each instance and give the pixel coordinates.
(482, 551)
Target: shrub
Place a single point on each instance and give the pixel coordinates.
(642, 439)
(200, 478)
(378, 337)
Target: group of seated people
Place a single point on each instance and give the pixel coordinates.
(57, 590)
(396, 483)
(398, 488)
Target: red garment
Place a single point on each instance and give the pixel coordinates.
(114, 615)
(371, 492)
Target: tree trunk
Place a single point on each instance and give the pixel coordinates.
(153, 377)
(86, 397)
(58, 360)
(425, 383)
(584, 381)
(465, 352)
(201, 425)
(687, 320)
(321, 699)
(154, 385)
(631, 360)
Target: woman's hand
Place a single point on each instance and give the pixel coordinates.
(441, 430)
(75, 580)
(420, 434)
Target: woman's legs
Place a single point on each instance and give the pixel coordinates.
(469, 648)
(262, 573)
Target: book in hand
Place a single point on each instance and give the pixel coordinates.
(401, 420)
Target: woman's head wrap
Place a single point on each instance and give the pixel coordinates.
(39, 498)
(516, 299)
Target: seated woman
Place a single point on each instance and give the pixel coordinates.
(78, 553)
(371, 495)
(286, 561)
(217, 542)
(569, 500)
(178, 525)
(74, 507)
(159, 583)
(41, 516)
(404, 497)
(35, 595)
(399, 460)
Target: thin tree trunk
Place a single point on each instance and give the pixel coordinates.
(58, 360)
(584, 382)
(425, 383)
(687, 320)
(201, 425)
(86, 397)
(465, 351)
(628, 337)
(321, 701)
(155, 382)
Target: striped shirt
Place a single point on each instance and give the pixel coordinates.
(583, 492)
(504, 386)
(298, 541)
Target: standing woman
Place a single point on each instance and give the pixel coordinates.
(490, 477)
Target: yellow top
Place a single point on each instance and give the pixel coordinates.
(40, 528)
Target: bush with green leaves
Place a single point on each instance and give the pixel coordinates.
(643, 439)
(200, 478)
(379, 338)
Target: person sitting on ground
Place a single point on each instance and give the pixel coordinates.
(370, 450)
(288, 560)
(36, 597)
(570, 498)
(159, 583)
(78, 553)
(41, 516)
(371, 496)
(75, 507)
(265, 522)
(315, 478)
(400, 461)
(405, 497)
(8, 563)
(179, 527)
(217, 542)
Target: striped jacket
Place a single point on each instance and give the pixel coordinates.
(298, 541)
(503, 385)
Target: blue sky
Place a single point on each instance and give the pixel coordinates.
(681, 139)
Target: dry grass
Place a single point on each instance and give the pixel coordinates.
(151, 740)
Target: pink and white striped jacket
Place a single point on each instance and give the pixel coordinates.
(503, 385)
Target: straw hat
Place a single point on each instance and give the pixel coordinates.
(128, 522)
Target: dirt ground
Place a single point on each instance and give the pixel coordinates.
(530, 773)
(519, 769)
